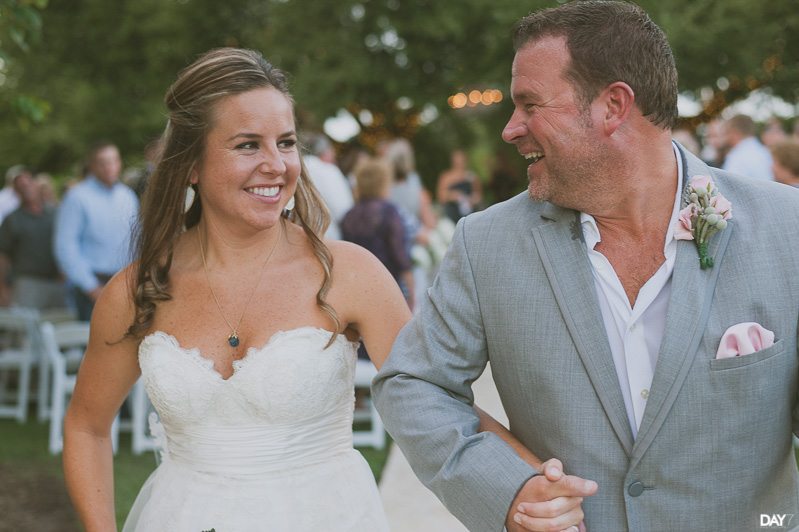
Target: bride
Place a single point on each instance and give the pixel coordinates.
(242, 324)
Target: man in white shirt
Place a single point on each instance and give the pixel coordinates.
(329, 181)
(9, 199)
(607, 330)
(746, 155)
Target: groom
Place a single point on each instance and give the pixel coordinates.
(612, 348)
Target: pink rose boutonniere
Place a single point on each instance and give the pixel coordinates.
(706, 213)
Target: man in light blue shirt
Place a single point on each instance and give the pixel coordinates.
(747, 156)
(93, 227)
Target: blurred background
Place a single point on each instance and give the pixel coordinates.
(434, 72)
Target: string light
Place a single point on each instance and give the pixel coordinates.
(474, 98)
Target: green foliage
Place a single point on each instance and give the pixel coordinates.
(20, 24)
(749, 44)
(378, 55)
(103, 67)
(28, 111)
(375, 52)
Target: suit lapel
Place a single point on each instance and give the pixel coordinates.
(689, 307)
(566, 263)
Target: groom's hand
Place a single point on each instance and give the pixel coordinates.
(550, 501)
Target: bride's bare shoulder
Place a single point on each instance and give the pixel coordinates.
(119, 290)
(352, 257)
(114, 311)
(358, 271)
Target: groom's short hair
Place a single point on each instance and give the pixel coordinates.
(610, 41)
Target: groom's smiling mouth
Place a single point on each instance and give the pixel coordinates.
(534, 156)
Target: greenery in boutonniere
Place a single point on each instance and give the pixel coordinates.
(707, 212)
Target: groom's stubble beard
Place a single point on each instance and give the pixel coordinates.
(577, 178)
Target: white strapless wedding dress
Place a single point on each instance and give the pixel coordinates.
(269, 449)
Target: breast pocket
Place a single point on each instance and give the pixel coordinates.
(724, 364)
(754, 394)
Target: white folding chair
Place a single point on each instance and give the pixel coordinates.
(140, 407)
(17, 331)
(55, 315)
(64, 345)
(376, 435)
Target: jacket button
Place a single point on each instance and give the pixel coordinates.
(635, 489)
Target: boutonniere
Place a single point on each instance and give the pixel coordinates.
(706, 213)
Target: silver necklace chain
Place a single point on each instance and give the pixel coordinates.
(233, 339)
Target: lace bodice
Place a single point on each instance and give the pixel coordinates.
(290, 379)
(249, 453)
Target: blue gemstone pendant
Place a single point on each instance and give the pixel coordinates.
(233, 340)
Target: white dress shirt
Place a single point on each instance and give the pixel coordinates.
(750, 158)
(634, 333)
(9, 201)
(334, 189)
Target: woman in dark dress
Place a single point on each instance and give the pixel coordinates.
(375, 224)
(459, 190)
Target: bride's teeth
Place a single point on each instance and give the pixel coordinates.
(268, 192)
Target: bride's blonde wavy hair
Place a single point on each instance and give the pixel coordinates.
(190, 101)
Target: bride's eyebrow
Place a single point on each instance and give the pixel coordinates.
(247, 136)
(250, 136)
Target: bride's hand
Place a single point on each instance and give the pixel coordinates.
(551, 500)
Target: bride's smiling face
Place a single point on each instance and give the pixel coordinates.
(250, 162)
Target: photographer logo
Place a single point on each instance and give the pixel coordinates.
(776, 521)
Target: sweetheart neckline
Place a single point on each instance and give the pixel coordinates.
(238, 364)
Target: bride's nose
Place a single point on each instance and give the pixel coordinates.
(272, 163)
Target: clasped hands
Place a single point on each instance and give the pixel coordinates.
(550, 501)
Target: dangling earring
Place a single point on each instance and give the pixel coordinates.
(289, 206)
(191, 197)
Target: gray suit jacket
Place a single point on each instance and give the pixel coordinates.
(714, 450)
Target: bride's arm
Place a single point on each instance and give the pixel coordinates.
(379, 312)
(376, 308)
(489, 424)
(368, 298)
(107, 372)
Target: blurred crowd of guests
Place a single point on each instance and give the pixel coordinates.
(377, 200)
(738, 145)
(60, 256)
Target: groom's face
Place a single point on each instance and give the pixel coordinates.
(551, 127)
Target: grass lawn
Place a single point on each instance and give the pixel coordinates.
(34, 496)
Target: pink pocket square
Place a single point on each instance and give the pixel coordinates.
(744, 339)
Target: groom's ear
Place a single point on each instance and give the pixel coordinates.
(618, 101)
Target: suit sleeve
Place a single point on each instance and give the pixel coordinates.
(423, 393)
